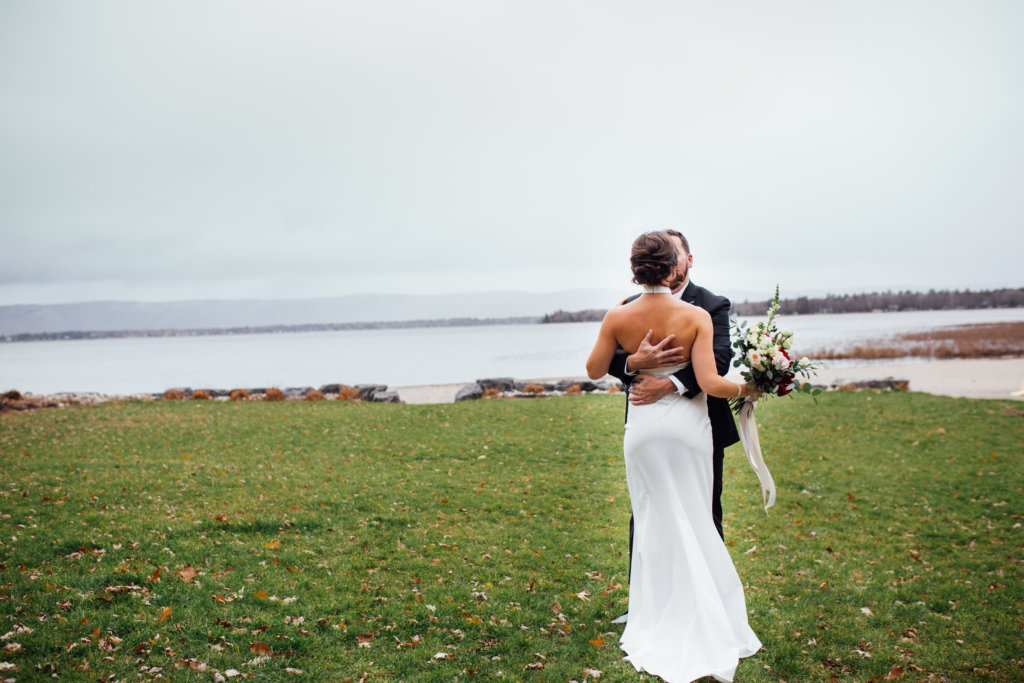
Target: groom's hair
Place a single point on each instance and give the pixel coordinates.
(676, 233)
(653, 258)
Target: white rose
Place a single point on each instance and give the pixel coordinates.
(755, 359)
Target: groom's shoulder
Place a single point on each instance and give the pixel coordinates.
(632, 297)
(709, 300)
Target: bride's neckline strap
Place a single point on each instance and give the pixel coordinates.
(659, 289)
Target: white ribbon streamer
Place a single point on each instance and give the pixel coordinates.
(752, 447)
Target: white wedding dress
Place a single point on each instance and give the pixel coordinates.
(687, 613)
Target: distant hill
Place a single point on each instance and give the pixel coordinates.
(219, 313)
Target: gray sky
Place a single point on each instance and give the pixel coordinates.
(252, 149)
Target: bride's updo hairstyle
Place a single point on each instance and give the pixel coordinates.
(653, 258)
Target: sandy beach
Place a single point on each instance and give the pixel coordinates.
(970, 378)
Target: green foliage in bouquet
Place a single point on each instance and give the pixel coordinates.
(763, 354)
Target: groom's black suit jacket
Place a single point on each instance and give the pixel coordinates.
(723, 427)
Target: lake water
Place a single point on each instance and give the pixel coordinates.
(396, 357)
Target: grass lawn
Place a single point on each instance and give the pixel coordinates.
(198, 539)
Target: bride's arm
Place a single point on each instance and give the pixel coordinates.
(604, 350)
(703, 356)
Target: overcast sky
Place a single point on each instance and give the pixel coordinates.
(177, 150)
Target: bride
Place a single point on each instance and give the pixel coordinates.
(687, 613)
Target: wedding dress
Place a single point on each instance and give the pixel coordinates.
(687, 614)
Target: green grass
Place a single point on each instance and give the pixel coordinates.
(494, 533)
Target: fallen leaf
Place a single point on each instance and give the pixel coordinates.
(896, 673)
(597, 642)
(191, 663)
(108, 643)
(166, 613)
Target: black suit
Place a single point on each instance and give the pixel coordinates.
(723, 427)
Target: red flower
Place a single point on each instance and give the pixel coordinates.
(785, 384)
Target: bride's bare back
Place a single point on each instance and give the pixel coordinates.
(663, 315)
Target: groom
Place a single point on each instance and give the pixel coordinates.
(644, 388)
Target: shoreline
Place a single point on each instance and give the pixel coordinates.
(989, 378)
(960, 378)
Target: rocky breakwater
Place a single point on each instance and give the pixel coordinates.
(13, 400)
(507, 387)
(375, 393)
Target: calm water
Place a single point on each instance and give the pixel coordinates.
(392, 357)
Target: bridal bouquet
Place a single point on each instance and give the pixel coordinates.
(763, 353)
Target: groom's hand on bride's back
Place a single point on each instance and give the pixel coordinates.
(648, 356)
(647, 389)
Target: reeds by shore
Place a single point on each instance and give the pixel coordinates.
(986, 340)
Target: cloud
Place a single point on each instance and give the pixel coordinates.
(156, 149)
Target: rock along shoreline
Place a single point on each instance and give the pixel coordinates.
(494, 387)
(501, 387)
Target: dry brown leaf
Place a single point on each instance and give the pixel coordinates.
(896, 673)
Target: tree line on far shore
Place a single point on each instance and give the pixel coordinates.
(931, 300)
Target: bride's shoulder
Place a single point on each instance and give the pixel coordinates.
(615, 313)
(695, 311)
